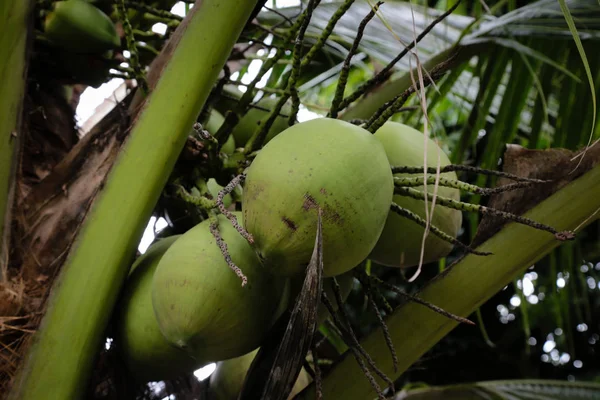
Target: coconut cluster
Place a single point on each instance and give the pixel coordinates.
(184, 307)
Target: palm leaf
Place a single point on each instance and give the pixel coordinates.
(508, 390)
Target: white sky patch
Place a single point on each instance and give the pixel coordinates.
(92, 98)
(159, 28)
(206, 371)
(149, 233)
(527, 286)
(179, 9)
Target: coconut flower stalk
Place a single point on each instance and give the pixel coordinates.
(13, 43)
(63, 351)
(465, 287)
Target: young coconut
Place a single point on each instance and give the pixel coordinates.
(322, 163)
(228, 379)
(400, 242)
(78, 26)
(215, 120)
(200, 303)
(258, 115)
(145, 352)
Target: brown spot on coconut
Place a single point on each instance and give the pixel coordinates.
(356, 175)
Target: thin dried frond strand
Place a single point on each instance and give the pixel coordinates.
(317, 369)
(464, 168)
(434, 229)
(366, 282)
(297, 61)
(134, 60)
(346, 320)
(385, 72)
(343, 79)
(460, 185)
(349, 338)
(422, 302)
(221, 195)
(214, 229)
(459, 205)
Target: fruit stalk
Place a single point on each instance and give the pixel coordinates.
(13, 66)
(62, 355)
(465, 287)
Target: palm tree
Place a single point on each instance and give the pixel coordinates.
(486, 75)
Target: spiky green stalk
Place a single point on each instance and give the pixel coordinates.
(13, 40)
(465, 287)
(62, 355)
(367, 106)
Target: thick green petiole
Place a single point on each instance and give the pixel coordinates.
(464, 287)
(62, 355)
(13, 67)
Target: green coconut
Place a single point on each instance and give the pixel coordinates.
(258, 115)
(141, 345)
(322, 163)
(80, 27)
(227, 380)
(400, 242)
(200, 303)
(215, 120)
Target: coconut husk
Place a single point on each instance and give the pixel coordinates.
(558, 166)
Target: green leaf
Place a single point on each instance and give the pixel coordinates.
(588, 72)
(522, 389)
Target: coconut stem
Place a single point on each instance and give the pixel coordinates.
(434, 229)
(346, 321)
(386, 111)
(224, 192)
(204, 134)
(214, 229)
(385, 73)
(422, 302)
(257, 140)
(352, 345)
(366, 282)
(136, 5)
(464, 168)
(200, 201)
(343, 79)
(297, 61)
(134, 60)
(462, 206)
(232, 116)
(452, 183)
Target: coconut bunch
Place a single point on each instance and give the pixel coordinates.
(184, 305)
